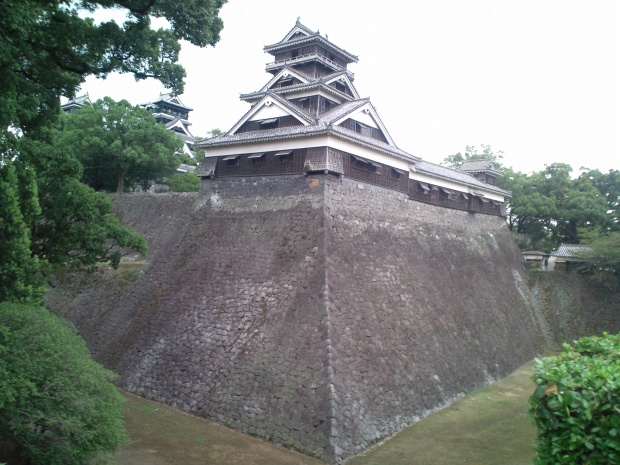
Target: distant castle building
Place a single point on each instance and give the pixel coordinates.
(171, 112)
(75, 103)
(310, 118)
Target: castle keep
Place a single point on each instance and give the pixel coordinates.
(324, 289)
(309, 118)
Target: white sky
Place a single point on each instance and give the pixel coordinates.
(538, 79)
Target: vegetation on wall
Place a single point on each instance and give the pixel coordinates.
(184, 182)
(576, 405)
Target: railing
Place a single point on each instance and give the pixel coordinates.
(307, 56)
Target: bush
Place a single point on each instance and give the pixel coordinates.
(57, 406)
(576, 406)
(185, 182)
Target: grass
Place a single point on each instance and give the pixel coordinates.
(129, 271)
(490, 426)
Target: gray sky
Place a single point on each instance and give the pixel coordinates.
(538, 79)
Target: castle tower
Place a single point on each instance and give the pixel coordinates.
(309, 118)
(171, 112)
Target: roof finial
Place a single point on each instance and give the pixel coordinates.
(299, 19)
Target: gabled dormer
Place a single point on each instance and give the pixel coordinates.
(271, 112)
(362, 118)
(342, 82)
(483, 170)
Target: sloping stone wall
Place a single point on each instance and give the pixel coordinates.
(317, 312)
(424, 304)
(571, 307)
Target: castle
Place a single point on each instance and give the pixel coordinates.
(309, 118)
(325, 288)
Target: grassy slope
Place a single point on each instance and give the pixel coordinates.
(488, 427)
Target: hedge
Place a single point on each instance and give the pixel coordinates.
(576, 405)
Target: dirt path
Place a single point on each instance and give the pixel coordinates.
(488, 427)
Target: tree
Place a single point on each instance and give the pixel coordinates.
(549, 207)
(608, 184)
(120, 145)
(471, 153)
(184, 182)
(20, 280)
(76, 226)
(49, 47)
(57, 406)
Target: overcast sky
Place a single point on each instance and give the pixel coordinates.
(538, 79)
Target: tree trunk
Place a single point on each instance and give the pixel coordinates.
(120, 182)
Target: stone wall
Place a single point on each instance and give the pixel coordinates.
(317, 312)
(570, 307)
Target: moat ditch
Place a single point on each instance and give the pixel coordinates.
(489, 426)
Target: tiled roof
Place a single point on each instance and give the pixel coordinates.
(341, 110)
(456, 175)
(312, 36)
(296, 87)
(571, 250)
(477, 166)
(168, 98)
(77, 101)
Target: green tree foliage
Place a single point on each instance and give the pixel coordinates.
(57, 406)
(602, 264)
(49, 47)
(120, 145)
(20, 280)
(184, 182)
(471, 153)
(548, 207)
(576, 403)
(76, 226)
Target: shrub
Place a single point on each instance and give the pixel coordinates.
(576, 405)
(184, 182)
(57, 406)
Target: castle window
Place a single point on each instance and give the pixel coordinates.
(446, 193)
(232, 160)
(257, 158)
(329, 104)
(465, 196)
(286, 82)
(294, 53)
(285, 156)
(424, 188)
(364, 165)
(341, 87)
(362, 129)
(395, 175)
(271, 123)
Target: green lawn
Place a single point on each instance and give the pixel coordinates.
(487, 427)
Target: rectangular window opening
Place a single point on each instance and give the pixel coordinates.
(271, 123)
(257, 158)
(284, 156)
(232, 160)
